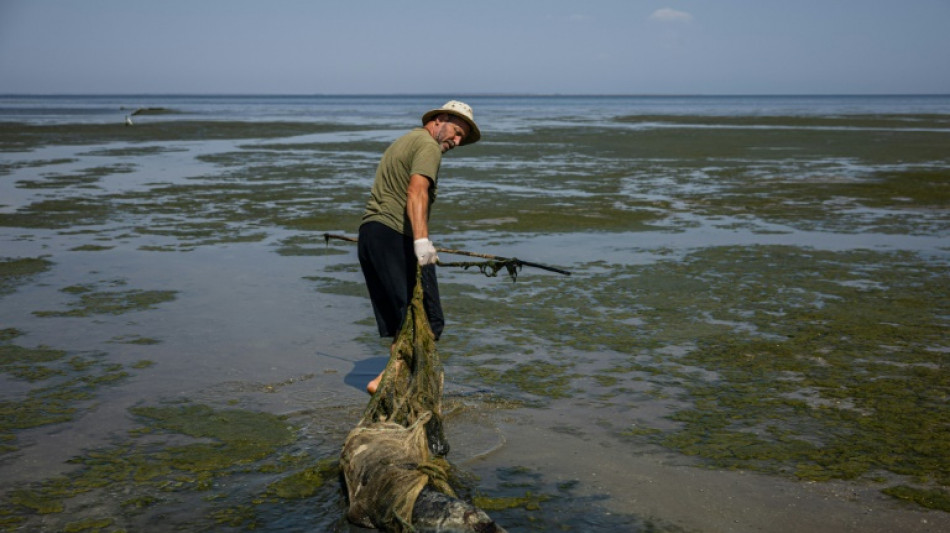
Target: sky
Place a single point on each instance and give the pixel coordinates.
(476, 47)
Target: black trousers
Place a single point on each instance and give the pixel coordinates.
(389, 264)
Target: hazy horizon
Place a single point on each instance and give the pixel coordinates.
(479, 95)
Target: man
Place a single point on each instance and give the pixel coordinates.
(394, 233)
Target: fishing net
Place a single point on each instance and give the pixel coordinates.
(398, 446)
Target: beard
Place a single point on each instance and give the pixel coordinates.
(445, 137)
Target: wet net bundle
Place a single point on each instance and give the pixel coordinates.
(398, 447)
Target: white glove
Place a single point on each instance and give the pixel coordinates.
(425, 252)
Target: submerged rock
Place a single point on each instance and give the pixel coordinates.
(435, 512)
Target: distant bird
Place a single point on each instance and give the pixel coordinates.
(128, 120)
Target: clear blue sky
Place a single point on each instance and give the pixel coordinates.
(482, 46)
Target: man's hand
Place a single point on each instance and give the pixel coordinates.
(425, 252)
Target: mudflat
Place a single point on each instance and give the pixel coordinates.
(753, 337)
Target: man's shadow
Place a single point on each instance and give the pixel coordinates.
(364, 371)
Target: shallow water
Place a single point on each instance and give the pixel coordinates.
(753, 337)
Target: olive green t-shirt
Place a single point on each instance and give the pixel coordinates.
(414, 153)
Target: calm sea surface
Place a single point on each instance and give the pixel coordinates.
(497, 112)
(753, 337)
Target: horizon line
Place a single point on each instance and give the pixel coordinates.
(462, 95)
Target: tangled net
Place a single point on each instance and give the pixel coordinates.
(399, 446)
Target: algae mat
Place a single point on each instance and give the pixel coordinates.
(750, 294)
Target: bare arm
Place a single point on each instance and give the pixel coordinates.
(417, 206)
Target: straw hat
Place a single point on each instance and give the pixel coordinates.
(462, 111)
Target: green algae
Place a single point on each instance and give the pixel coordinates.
(313, 187)
(925, 188)
(91, 248)
(237, 437)
(90, 524)
(280, 187)
(606, 381)
(589, 213)
(232, 208)
(237, 516)
(15, 272)
(202, 233)
(9, 168)
(929, 498)
(58, 213)
(910, 196)
(29, 363)
(898, 122)
(690, 146)
(816, 365)
(181, 449)
(67, 386)
(727, 304)
(806, 177)
(224, 207)
(93, 302)
(864, 379)
(135, 339)
(36, 502)
(86, 178)
(21, 137)
(7, 334)
(536, 377)
(305, 483)
(330, 285)
(133, 151)
(528, 502)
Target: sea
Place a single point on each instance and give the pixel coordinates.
(664, 312)
(499, 112)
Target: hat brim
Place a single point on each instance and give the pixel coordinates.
(474, 133)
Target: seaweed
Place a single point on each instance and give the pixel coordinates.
(66, 386)
(15, 272)
(205, 448)
(110, 302)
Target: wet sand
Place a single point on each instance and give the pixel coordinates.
(677, 493)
